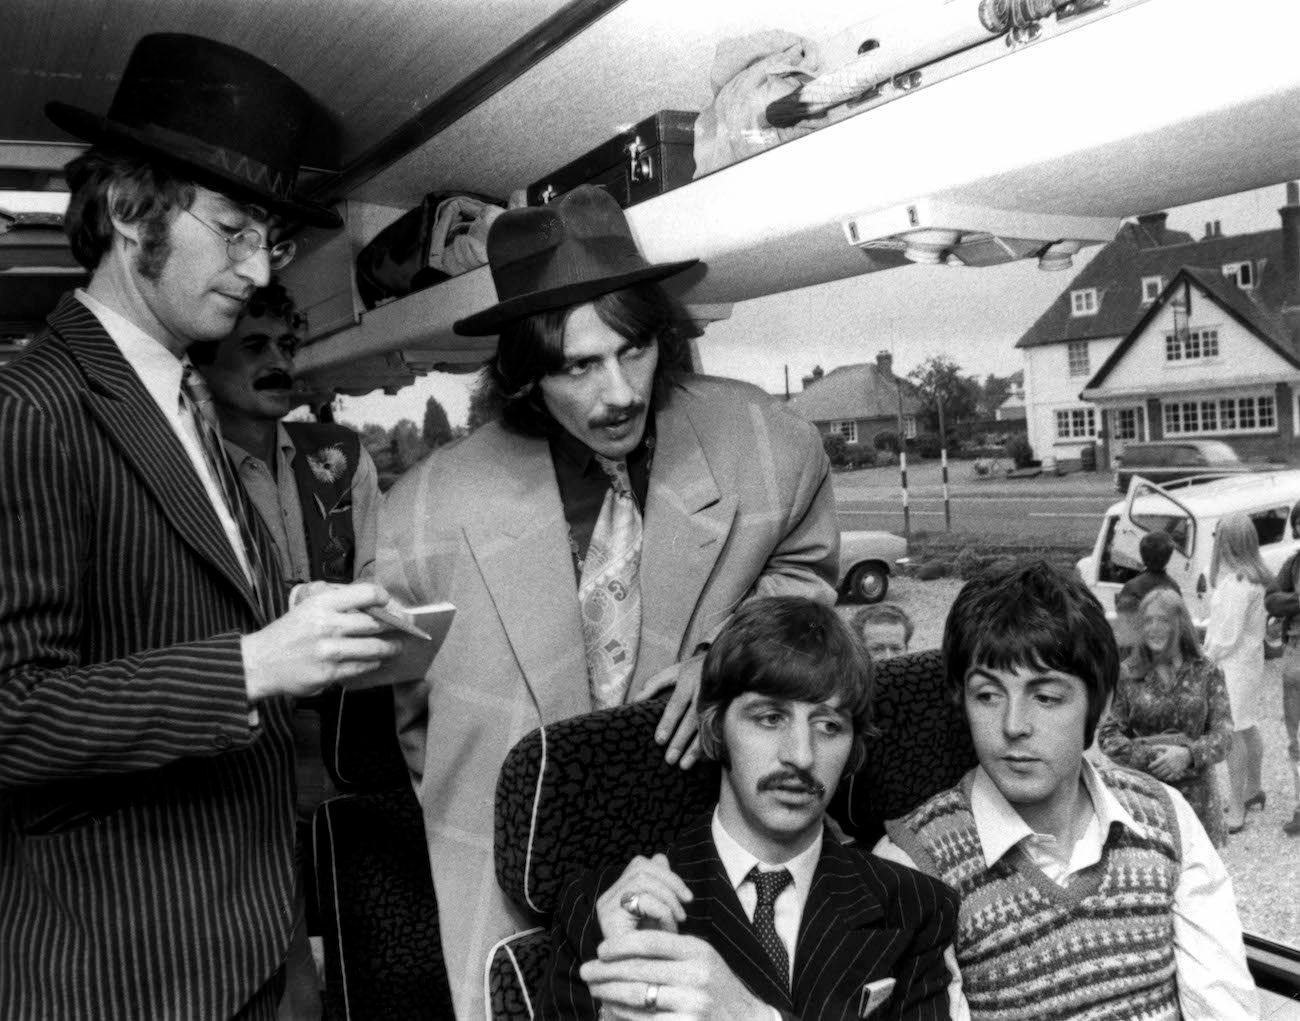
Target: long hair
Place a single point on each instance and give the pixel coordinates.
(1170, 603)
(1236, 551)
(1027, 613)
(533, 347)
(787, 647)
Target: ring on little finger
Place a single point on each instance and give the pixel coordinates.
(651, 995)
(631, 903)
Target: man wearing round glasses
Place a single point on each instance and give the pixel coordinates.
(147, 665)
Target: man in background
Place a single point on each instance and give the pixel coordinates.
(316, 489)
(886, 630)
(147, 666)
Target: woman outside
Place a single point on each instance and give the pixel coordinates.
(1170, 714)
(1234, 639)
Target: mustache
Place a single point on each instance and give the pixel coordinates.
(794, 776)
(622, 415)
(275, 380)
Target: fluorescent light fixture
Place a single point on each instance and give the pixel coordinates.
(34, 201)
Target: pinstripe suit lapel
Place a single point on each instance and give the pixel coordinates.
(130, 417)
(716, 916)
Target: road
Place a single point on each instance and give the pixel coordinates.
(1063, 510)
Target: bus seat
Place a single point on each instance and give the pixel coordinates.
(594, 791)
(374, 893)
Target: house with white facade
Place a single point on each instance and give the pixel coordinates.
(1161, 336)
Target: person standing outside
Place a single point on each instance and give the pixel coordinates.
(593, 540)
(1282, 600)
(886, 630)
(146, 665)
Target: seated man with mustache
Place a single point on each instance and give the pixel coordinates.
(316, 489)
(759, 911)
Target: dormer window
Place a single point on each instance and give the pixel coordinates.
(1242, 272)
(1151, 288)
(1083, 302)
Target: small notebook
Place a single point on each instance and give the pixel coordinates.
(420, 629)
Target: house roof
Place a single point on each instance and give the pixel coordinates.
(1118, 269)
(1246, 307)
(854, 392)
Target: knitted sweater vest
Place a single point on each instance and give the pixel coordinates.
(1100, 949)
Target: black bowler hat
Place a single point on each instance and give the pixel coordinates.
(233, 122)
(566, 253)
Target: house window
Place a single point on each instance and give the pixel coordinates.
(1076, 424)
(1076, 353)
(1189, 345)
(1241, 272)
(909, 427)
(848, 429)
(1127, 424)
(1083, 302)
(1225, 415)
(1151, 288)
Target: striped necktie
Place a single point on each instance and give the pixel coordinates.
(609, 591)
(769, 886)
(197, 400)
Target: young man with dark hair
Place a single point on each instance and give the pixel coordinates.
(1087, 891)
(758, 911)
(886, 630)
(147, 666)
(594, 539)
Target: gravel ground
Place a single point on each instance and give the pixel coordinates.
(1264, 863)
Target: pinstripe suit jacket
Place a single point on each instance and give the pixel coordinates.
(865, 919)
(146, 829)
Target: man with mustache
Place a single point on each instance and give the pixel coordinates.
(316, 490)
(759, 911)
(594, 539)
(147, 664)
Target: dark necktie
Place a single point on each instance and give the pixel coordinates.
(197, 399)
(769, 886)
(609, 591)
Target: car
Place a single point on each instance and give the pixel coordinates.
(1191, 514)
(867, 560)
(1174, 460)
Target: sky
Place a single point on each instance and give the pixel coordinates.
(973, 316)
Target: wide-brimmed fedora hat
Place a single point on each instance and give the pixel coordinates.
(231, 121)
(566, 253)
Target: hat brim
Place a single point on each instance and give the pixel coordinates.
(491, 320)
(100, 130)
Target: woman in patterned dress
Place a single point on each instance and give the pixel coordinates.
(1170, 714)
(1234, 640)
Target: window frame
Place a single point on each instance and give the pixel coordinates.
(1084, 302)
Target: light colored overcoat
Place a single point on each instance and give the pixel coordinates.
(739, 504)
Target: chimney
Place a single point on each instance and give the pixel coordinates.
(812, 377)
(1213, 229)
(885, 363)
(1154, 226)
(1290, 214)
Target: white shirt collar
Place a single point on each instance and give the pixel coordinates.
(159, 370)
(737, 862)
(1000, 827)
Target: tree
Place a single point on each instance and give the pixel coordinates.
(407, 444)
(483, 406)
(437, 427)
(939, 378)
(379, 446)
(996, 389)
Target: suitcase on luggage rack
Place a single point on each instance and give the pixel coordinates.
(651, 157)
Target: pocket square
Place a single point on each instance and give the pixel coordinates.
(874, 994)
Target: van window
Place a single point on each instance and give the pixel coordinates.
(1270, 524)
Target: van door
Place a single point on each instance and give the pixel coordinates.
(1150, 508)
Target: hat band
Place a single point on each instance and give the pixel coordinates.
(236, 166)
(568, 263)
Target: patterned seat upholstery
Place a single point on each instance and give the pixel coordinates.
(379, 916)
(594, 790)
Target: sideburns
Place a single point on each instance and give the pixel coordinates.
(155, 248)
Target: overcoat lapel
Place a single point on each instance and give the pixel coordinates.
(687, 522)
(715, 915)
(521, 549)
(130, 417)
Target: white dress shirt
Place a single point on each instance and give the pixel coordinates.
(1214, 983)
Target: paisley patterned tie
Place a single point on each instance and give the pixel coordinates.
(769, 886)
(196, 398)
(609, 591)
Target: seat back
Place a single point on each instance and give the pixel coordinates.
(594, 790)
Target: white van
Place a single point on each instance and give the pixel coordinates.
(1191, 514)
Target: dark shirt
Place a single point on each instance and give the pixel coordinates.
(583, 485)
(1137, 589)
